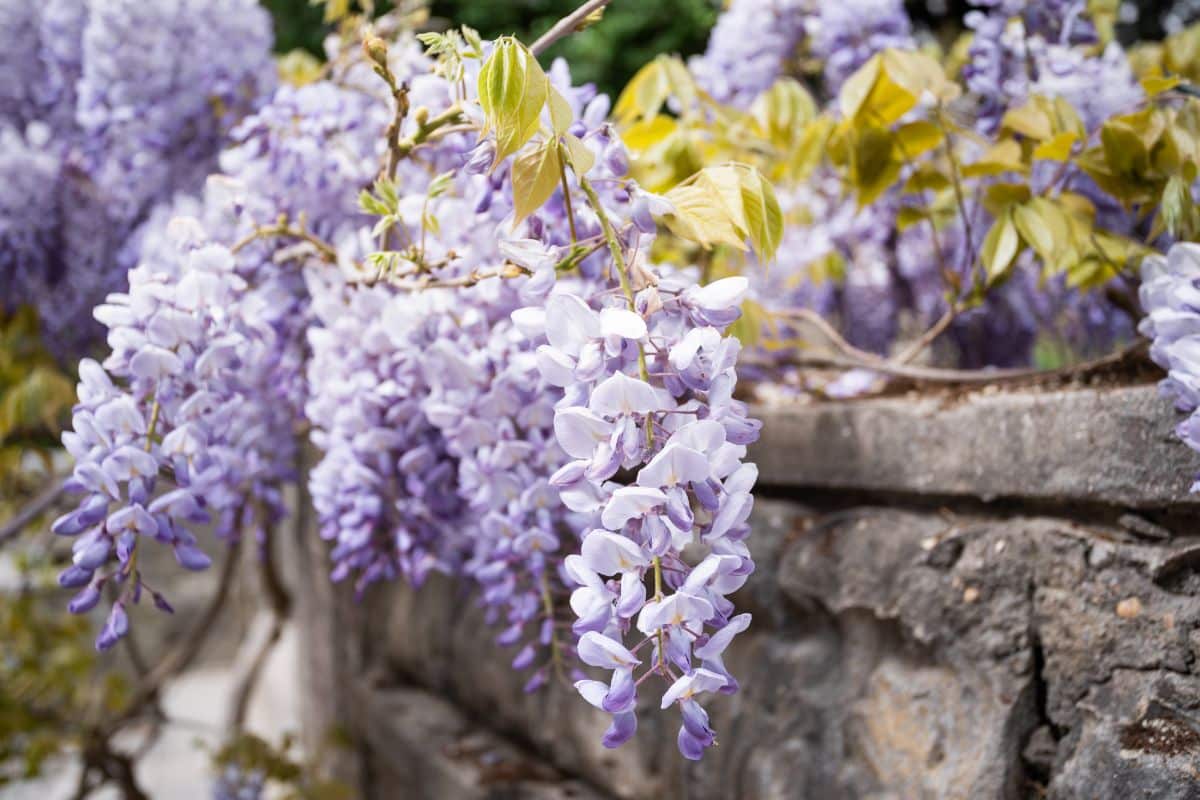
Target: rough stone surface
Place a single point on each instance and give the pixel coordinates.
(1111, 446)
(417, 740)
(908, 643)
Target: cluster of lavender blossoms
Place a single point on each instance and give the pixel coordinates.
(192, 419)
(108, 108)
(1022, 48)
(648, 385)
(1170, 296)
(173, 414)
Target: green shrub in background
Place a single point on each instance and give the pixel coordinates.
(632, 33)
(608, 54)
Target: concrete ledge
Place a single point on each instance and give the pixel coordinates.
(426, 744)
(1112, 446)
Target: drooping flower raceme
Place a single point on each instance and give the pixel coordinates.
(172, 413)
(648, 390)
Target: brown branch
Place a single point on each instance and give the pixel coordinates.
(283, 230)
(281, 606)
(566, 26)
(39, 505)
(184, 653)
(927, 338)
(508, 270)
(1130, 353)
(860, 357)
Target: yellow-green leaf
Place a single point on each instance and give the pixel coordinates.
(908, 216)
(917, 138)
(872, 167)
(999, 196)
(1034, 230)
(561, 116)
(1004, 156)
(1000, 247)
(644, 95)
(581, 157)
(512, 91)
(764, 219)
(889, 85)
(858, 87)
(727, 204)
(783, 110)
(1155, 85)
(535, 175)
(1029, 120)
(699, 217)
(1057, 147)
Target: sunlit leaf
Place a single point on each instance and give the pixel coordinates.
(1000, 248)
(763, 217)
(644, 95)
(512, 91)
(535, 175)
(581, 158)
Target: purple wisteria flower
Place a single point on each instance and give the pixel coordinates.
(1170, 296)
(683, 436)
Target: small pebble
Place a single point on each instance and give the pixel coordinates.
(1129, 608)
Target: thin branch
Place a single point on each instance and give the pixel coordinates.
(281, 606)
(249, 671)
(566, 26)
(508, 270)
(283, 230)
(182, 655)
(39, 505)
(928, 337)
(970, 376)
(860, 357)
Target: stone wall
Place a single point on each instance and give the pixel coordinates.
(981, 596)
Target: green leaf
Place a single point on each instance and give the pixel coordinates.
(1177, 206)
(579, 155)
(535, 175)
(560, 112)
(644, 95)
(763, 217)
(1034, 228)
(727, 204)
(1000, 247)
(917, 138)
(784, 110)
(512, 91)
(889, 85)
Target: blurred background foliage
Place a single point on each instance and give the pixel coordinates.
(634, 31)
